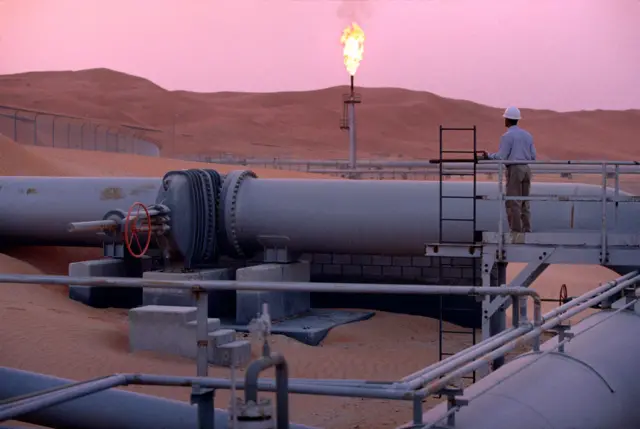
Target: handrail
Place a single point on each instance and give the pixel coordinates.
(604, 199)
(72, 391)
(397, 391)
(438, 384)
(417, 379)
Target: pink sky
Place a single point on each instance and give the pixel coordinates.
(557, 54)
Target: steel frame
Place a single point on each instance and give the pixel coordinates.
(541, 249)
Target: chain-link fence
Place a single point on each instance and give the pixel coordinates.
(39, 128)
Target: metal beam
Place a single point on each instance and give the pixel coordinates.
(568, 255)
(525, 278)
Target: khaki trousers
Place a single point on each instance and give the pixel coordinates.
(518, 185)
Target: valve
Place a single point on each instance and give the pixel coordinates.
(564, 295)
(133, 225)
(252, 415)
(260, 328)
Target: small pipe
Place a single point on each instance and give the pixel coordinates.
(419, 378)
(69, 392)
(560, 162)
(12, 411)
(457, 355)
(215, 285)
(537, 166)
(202, 333)
(602, 288)
(93, 225)
(428, 171)
(29, 396)
(296, 387)
(603, 234)
(441, 383)
(282, 388)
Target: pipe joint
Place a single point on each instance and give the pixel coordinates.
(282, 385)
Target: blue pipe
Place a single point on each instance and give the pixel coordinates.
(105, 410)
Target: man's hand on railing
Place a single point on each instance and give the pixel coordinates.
(482, 154)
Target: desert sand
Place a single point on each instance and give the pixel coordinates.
(46, 332)
(392, 122)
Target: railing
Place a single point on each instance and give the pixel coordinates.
(605, 169)
(414, 387)
(359, 388)
(399, 169)
(39, 128)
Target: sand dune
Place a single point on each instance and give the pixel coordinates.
(392, 122)
(46, 332)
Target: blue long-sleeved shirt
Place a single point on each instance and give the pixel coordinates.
(515, 145)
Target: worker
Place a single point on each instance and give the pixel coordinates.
(516, 145)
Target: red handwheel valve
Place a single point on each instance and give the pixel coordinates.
(133, 225)
(564, 295)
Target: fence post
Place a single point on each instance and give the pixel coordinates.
(82, 135)
(15, 126)
(95, 137)
(53, 131)
(68, 135)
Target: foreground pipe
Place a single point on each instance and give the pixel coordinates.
(593, 385)
(18, 408)
(132, 410)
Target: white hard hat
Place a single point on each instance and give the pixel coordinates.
(512, 112)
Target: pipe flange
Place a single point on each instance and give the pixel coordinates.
(117, 216)
(233, 180)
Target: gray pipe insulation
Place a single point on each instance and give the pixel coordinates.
(109, 409)
(340, 216)
(37, 210)
(591, 386)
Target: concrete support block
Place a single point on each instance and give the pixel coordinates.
(221, 303)
(159, 328)
(221, 337)
(236, 354)
(103, 296)
(281, 304)
(166, 329)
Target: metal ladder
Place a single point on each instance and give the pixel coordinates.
(459, 156)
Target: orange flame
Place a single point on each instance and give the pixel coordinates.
(352, 41)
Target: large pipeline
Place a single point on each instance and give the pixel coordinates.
(339, 216)
(592, 385)
(37, 210)
(104, 410)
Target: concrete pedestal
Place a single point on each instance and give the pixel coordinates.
(221, 303)
(172, 330)
(281, 304)
(101, 296)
